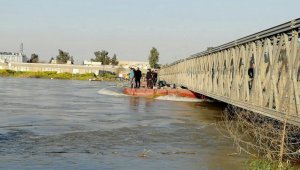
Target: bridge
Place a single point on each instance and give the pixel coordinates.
(259, 72)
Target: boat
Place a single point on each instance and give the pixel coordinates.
(152, 93)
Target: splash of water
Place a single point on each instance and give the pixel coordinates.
(109, 92)
(179, 99)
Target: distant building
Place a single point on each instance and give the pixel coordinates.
(140, 64)
(54, 61)
(69, 62)
(8, 57)
(91, 63)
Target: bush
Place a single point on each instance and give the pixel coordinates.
(108, 76)
(4, 73)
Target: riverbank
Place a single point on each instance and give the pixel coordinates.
(55, 75)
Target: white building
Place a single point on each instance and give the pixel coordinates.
(91, 63)
(140, 64)
(8, 57)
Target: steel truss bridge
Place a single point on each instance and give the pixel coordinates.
(259, 72)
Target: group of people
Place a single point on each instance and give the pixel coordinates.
(151, 78)
(135, 76)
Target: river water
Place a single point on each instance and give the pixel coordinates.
(58, 124)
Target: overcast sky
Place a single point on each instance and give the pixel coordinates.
(130, 28)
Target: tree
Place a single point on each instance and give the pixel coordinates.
(34, 58)
(107, 60)
(63, 57)
(114, 60)
(51, 59)
(102, 56)
(154, 57)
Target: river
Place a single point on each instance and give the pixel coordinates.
(63, 124)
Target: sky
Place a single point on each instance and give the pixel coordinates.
(130, 28)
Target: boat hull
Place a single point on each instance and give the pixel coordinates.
(143, 92)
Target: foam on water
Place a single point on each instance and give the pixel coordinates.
(109, 92)
(179, 99)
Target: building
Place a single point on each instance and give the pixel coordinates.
(141, 64)
(91, 63)
(8, 57)
(54, 61)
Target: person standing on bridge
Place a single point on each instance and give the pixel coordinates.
(137, 77)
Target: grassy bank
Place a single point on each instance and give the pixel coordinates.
(54, 75)
(261, 164)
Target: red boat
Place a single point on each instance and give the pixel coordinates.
(143, 92)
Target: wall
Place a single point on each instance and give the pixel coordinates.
(59, 68)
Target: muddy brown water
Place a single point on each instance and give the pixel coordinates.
(58, 124)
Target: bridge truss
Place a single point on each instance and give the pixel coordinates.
(260, 72)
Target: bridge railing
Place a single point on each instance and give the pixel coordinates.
(260, 72)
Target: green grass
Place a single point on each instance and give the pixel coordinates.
(260, 164)
(107, 76)
(46, 75)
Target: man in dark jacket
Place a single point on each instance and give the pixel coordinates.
(154, 77)
(149, 79)
(138, 76)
